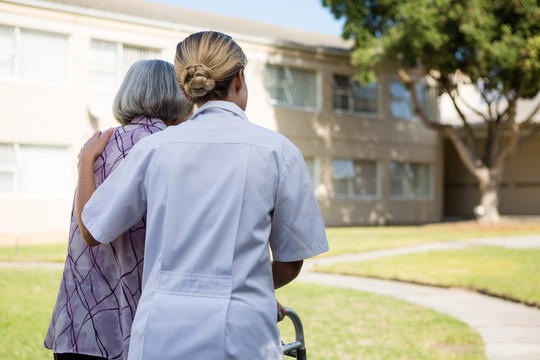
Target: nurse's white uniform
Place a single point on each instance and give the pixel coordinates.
(217, 190)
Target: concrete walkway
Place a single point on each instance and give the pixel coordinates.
(509, 330)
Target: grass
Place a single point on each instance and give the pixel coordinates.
(360, 239)
(46, 252)
(503, 272)
(26, 303)
(338, 323)
(348, 324)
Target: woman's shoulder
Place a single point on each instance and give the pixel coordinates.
(126, 136)
(140, 127)
(143, 124)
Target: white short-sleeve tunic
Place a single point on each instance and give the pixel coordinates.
(218, 190)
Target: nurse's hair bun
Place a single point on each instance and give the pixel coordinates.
(206, 64)
(197, 80)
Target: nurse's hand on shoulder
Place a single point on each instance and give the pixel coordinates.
(94, 146)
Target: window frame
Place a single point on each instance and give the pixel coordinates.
(11, 169)
(120, 68)
(428, 106)
(350, 185)
(15, 57)
(17, 169)
(349, 92)
(284, 84)
(430, 172)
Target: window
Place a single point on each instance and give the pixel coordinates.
(410, 180)
(7, 51)
(34, 169)
(109, 61)
(401, 104)
(7, 168)
(34, 55)
(291, 86)
(313, 169)
(354, 178)
(350, 96)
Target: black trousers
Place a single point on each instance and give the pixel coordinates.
(70, 356)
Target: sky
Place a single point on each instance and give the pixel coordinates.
(307, 15)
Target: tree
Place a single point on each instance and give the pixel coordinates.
(493, 45)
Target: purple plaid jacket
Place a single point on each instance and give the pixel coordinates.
(101, 286)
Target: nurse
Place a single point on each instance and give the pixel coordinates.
(219, 192)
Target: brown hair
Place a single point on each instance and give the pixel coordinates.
(206, 63)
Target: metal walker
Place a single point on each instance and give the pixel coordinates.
(297, 348)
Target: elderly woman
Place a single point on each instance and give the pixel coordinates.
(101, 286)
(219, 191)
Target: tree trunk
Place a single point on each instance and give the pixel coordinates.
(487, 212)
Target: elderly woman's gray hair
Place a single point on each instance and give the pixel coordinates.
(150, 88)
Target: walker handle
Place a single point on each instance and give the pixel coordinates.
(296, 349)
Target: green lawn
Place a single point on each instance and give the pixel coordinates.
(26, 303)
(46, 252)
(346, 240)
(348, 324)
(338, 323)
(509, 273)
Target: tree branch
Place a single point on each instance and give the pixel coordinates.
(468, 130)
(409, 84)
(470, 107)
(509, 150)
(497, 131)
(471, 163)
(489, 116)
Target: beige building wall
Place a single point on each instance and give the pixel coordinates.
(51, 114)
(37, 113)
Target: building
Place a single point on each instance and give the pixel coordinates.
(61, 61)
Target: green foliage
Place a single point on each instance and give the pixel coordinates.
(492, 41)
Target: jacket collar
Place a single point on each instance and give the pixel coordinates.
(148, 121)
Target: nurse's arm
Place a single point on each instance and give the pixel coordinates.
(86, 184)
(285, 272)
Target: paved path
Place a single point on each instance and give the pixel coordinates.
(509, 330)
